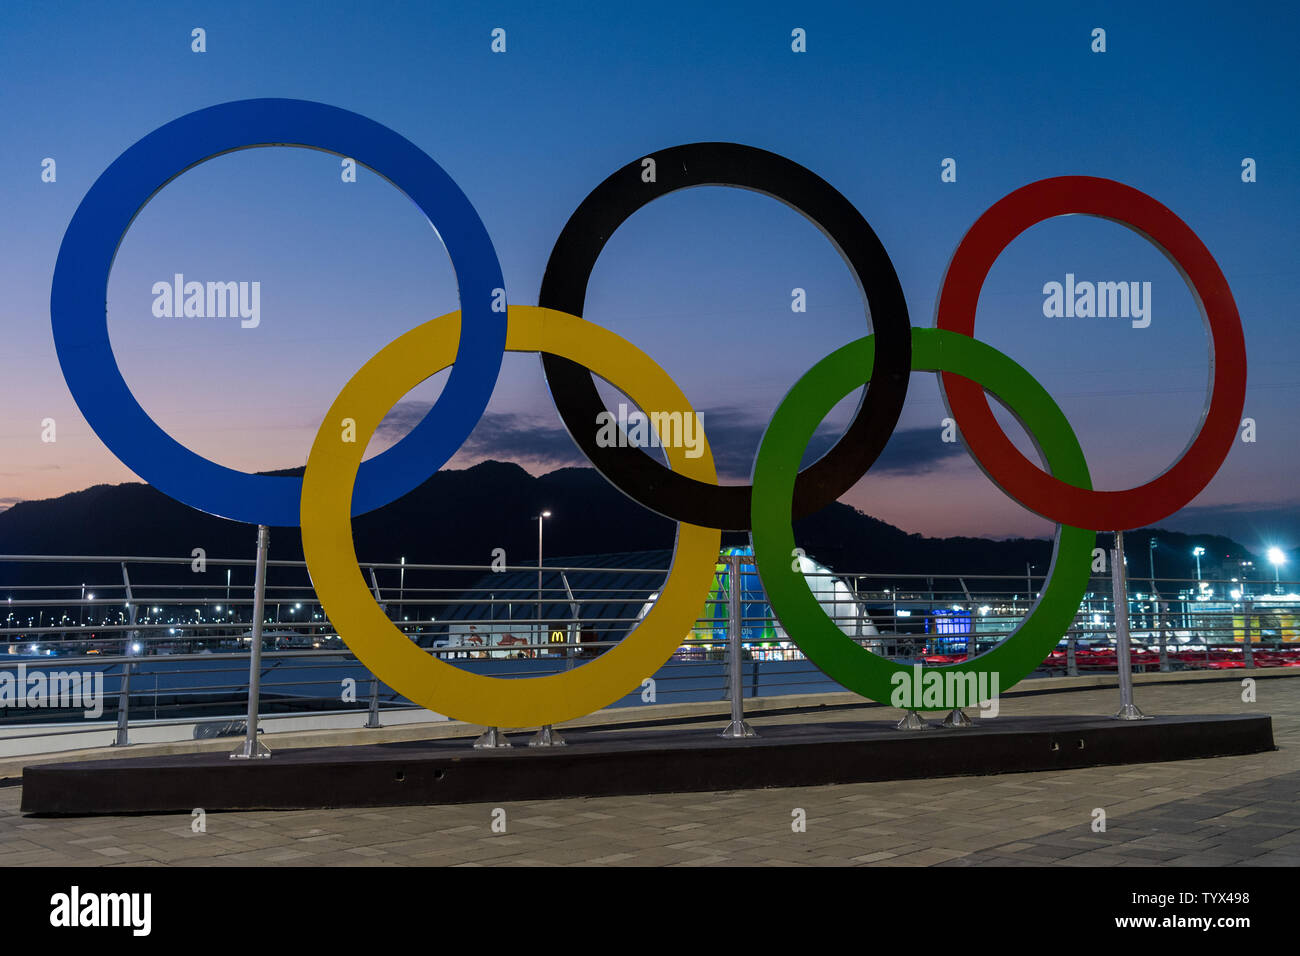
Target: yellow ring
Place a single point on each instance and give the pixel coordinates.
(392, 656)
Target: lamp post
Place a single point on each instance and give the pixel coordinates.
(1277, 558)
(1196, 553)
(544, 514)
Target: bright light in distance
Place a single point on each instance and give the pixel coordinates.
(1276, 556)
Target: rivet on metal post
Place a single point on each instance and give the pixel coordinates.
(253, 748)
(492, 739)
(913, 721)
(547, 736)
(737, 728)
(1119, 597)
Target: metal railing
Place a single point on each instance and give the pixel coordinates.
(200, 646)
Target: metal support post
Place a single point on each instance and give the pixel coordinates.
(1119, 596)
(1248, 651)
(124, 694)
(372, 717)
(253, 748)
(737, 728)
(1162, 622)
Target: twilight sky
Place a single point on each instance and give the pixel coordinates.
(702, 279)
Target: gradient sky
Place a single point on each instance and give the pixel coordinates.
(702, 279)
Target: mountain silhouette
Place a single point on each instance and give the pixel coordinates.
(461, 516)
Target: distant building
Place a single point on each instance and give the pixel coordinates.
(599, 598)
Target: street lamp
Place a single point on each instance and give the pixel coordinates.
(1196, 553)
(1278, 559)
(544, 514)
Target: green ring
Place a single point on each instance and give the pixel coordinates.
(800, 613)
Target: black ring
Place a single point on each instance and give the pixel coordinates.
(564, 287)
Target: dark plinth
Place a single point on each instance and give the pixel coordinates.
(624, 762)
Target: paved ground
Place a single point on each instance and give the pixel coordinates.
(1228, 810)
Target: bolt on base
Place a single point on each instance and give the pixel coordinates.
(492, 739)
(959, 719)
(547, 736)
(739, 728)
(913, 721)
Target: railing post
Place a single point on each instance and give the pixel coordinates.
(372, 718)
(1119, 597)
(1162, 622)
(124, 693)
(1248, 652)
(737, 727)
(252, 747)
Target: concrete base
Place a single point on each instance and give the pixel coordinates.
(624, 762)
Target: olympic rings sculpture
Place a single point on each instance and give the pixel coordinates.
(472, 340)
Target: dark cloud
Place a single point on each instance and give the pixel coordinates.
(733, 433)
(504, 436)
(517, 437)
(401, 418)
(736, 436)
(915, 451)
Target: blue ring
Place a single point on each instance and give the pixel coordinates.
(80, 321)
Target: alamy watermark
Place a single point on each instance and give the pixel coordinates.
(179, 299)
(74, 908)
(1101, 300)
(918, 689)
(69, 690)
(658, 429)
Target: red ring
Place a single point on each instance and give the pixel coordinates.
(969, 407)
